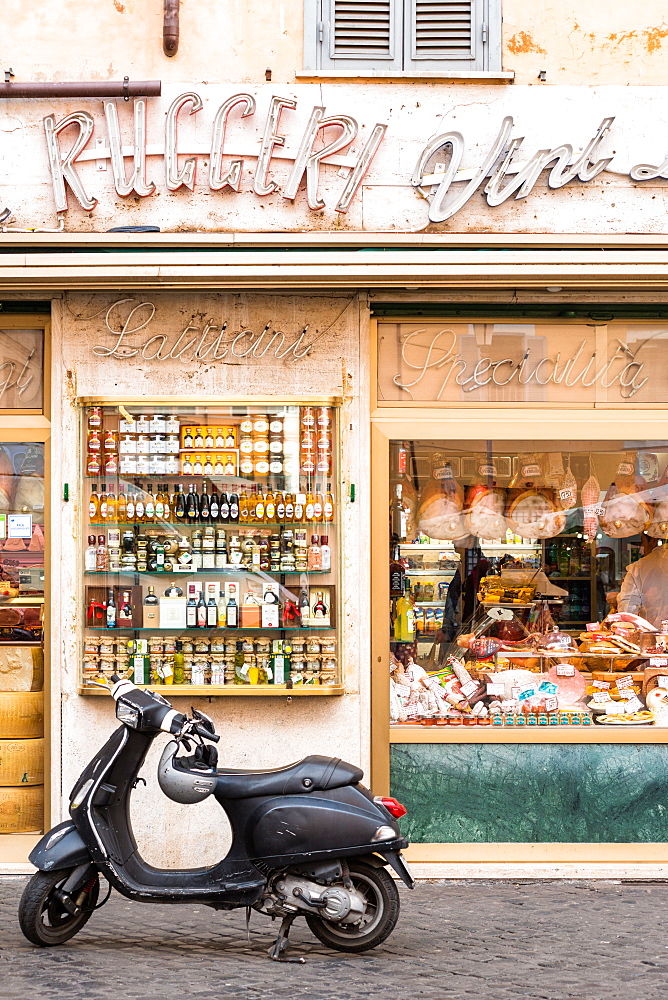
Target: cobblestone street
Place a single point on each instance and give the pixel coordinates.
(590, 940)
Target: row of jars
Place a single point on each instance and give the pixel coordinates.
(216, 642)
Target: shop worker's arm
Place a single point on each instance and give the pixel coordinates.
(631, 592)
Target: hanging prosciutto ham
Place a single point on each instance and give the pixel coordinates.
(441, 504)
(625, 513)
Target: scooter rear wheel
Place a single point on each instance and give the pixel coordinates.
(380, 917)
(43, 918)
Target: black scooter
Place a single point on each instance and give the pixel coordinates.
(308, 839)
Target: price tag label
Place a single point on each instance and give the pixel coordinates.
(496, 690)
(603, 685)
(625, 681)
(566, 495)
(600, 697)
(547, 687)
(527, 692)
(662, 682)
(658, 661)
(595, 510)
(470, 687)
(565, 670)
(551, 704)
(633, 705)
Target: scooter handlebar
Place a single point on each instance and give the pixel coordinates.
(205, 733)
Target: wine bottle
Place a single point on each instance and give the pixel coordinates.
(214, 505)
(191, 607)
(192, 506)
(224, 515)
(204, 510)
(201, 610)
(234, 508)
(232, 613)
(211, 607)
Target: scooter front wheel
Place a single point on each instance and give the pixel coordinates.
(43, 918)
(381, 912)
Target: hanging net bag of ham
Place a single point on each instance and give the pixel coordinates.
(441, 504)
(532, 508)
(624, 512)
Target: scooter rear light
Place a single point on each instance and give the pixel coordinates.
(393, 807)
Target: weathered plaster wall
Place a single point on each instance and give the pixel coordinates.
(105, 39)
(254, 732)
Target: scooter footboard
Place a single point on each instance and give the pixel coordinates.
(61, 847)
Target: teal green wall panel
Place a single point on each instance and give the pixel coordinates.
(531, 793)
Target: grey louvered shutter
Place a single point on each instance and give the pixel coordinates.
(361, 34)
(440, 33)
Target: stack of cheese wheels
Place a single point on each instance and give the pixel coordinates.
(21, 761)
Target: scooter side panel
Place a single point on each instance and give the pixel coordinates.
(296, 826)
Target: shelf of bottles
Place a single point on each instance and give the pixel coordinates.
(211, 561)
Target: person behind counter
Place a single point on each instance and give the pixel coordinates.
(644, 589)
(475, 567)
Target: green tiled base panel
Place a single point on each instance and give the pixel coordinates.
(532, 793)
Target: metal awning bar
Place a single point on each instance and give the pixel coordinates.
(339, 269)
(105, 88)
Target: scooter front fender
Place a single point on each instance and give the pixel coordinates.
(61, 847)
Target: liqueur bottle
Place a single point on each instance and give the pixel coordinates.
(320, 608)
(125, 611)
(101, 557)
(111, 610)
(325, 554)
(328, 505)
(304, 609)
(122, 508)
(94, 505)
(232, 613)
(103, 502)
(131, 504)
(90, 556)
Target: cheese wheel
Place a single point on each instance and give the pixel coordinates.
(22, 809)
(22, 762)
(21, 714)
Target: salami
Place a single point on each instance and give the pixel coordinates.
(590, 494)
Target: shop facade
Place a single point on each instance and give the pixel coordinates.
(254, 324)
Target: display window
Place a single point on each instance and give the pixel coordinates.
(211, 556)
(528, 584)
(22, 589)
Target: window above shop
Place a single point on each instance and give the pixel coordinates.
(402, 37)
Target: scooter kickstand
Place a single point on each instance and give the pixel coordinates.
(281, 943)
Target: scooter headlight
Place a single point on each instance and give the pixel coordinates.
(127, 714)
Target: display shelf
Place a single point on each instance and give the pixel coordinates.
(214, 628)
(429, 572)
(254, 570)
(232, 690)
(501, 546)
(212, 524)
(402, 733)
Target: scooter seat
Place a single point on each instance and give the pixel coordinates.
(312, 774)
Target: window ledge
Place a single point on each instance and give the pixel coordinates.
(484, 76)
